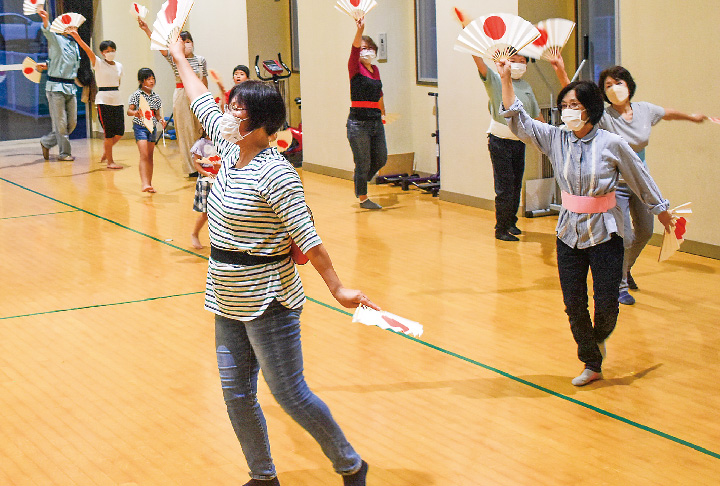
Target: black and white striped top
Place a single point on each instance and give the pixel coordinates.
(255, 209)
(153, 100)
(197, 63)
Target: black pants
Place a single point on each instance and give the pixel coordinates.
(605, 261)
(508, 161)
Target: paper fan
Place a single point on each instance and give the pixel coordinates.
(31, 7)
(714, 119)
(385, 320)
(70, 19)
(554, 34)
(215, 76)
(147, 113)
(671, 241)
(356, 9)
(390, 118)
(496, 36)
(282, 141)
(138, 10)
(169, 23)
(27, 67)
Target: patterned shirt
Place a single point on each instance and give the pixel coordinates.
(197, 63)
(588, 166)
(153, 100)
(255, 209)
(63, 62)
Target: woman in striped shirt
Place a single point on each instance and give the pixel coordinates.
(588, 163)
(256, 207)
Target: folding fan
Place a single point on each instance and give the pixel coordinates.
(554, 34)
(31, 6)
(385, 320)
(390, 118)
(169, 23)
(496, 36)
(356, 9)
(215, 76)
(138, 10)
(147, 113)
(714, 119)
(27, 67)
(70, 19)
(462, 18)
(671, 241)
(282, 141)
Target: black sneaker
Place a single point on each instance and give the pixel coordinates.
(505, 236)
(514, 230)
(193, 174)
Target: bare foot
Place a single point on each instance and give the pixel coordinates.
(148, 189)
(113, 165)
(103, 159)
(196, 242)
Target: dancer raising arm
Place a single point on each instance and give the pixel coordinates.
(256, 207)
(588, 163)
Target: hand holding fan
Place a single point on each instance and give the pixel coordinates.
(385, 320)
(31, 7)
(389, 118)
(146, 113)
(138, 10)
(496, 36)
(356, 9)
(554, 34)
(27, 67)
(671, 241)
(169, 23)
(61, 24)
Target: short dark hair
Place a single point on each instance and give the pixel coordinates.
(107, 44)
(185, 36)
(265, 107)
(368, 40)
(589, 95)
(143, 74)
(619, 73)
(243, 68)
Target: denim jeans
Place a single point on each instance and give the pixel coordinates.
(367, 141)
(508, 161)
(63, 115)
(638, 224)
(271, 342)
(605, 263)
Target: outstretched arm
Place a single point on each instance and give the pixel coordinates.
(358, 35)
(671, 114)
(558, 64)
(144, 26)
(193, 86)
(482, 67)
(74, 33)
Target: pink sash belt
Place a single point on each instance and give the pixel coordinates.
(588, 204)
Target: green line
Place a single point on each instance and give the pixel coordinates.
(432, 346)
(149, 299)
(42, 214)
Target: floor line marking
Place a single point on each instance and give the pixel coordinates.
(41, 214)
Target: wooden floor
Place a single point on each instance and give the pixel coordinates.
(107, 361)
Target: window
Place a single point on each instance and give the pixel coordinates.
(294, 34)
(425, 42)
(598, 21)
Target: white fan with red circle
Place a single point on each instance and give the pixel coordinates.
(147, 113)
(496, 36)
(356, 9)
(554, 34)
(65, 21)
(282, 140)
(31, 7)
(138, 10)
(27, 67)
(169, 23)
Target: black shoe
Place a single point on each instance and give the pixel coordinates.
(631, 282)
(505, 236)
(267, 482)
(514, 230)
(194, 174)
(357, 478)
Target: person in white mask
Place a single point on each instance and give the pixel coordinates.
(587, 163)
(256, 210)
(633, 121)
(108, 73)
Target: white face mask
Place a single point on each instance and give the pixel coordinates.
(573, 119)
(109, 56)
(367, 55)
(230, 128)
(617, 94)
(517, 69)
(188, 48)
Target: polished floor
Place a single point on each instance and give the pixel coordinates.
(107, 358)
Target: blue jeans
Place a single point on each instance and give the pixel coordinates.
(605, 263)
(142, 133)
(272, 342)
(63, 115)
(369, 148)
(638, 223)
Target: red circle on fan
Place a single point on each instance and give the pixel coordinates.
(33, 1)
(136, 7)
(494, 27)
(542, 40)
(459, 15)
(355, 3)
(28, 70)
(282, 144)
(148, 114)
(66, 19)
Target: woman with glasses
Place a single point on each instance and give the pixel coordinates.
(256, 208)
(588, 163)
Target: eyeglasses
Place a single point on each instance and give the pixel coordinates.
(573, 105)
(232, 107)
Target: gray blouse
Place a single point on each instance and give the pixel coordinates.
(588, 166)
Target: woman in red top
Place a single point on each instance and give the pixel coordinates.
(365, 129)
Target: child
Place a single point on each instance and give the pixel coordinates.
(109, 104)
(144, 138)
(241, 73)
(207, 164)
